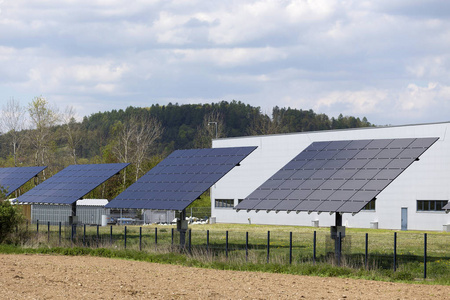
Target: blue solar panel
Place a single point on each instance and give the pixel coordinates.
(12, 179)
(336, 176)
(71, 184)
(180, 178)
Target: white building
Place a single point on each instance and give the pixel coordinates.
(412, 201)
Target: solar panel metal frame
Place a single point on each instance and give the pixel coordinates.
(71, 184)
(337, 176)
(202, 169)
(11, 179)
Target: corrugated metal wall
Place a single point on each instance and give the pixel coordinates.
(60, 213)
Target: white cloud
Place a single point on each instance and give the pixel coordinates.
(386, 60)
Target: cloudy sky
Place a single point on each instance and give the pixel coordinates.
(386, 60)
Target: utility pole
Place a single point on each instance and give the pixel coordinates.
(215, 123)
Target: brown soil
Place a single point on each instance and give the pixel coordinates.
(65, 277)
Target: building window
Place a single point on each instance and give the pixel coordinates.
(224, 203)
(370, 205)
(431, 205)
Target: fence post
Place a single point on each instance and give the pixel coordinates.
(98, 235)
(268, 246)
(314, 247)
(395, 251)
(290, 247)
(37, 226)
(246, 246)
(425, 256)
(48, 232)
(110, 235)
(339, 237)
(125, 237)
(207, 241)
(156, 236)
(367, 251)
(172, 235)
(60, 233)
(190, 241)
(84, 235)
(73, 233)
(226, 244)
(140, 238)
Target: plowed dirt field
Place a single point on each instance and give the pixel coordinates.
(65, 277)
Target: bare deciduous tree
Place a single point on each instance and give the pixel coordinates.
(133, 139)
(122, 144)
(42, 117)
(13, 122)
(147, 132)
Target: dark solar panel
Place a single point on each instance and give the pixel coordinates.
(71, 184)
(447, 206)
(12, 179)
(183, 177)
(337, 176)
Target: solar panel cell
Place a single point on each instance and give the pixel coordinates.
(355, 163)
(332, 205)
(311, 184)
(298, 195)
(337, 145)
(351, 207)
(354, 184)
(399, 163)
(400, 143)
(377, 185)
(307, 205)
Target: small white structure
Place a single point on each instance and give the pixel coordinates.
(158, 216)
(413, 201)
(89, 211)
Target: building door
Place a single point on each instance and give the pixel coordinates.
(404, 218)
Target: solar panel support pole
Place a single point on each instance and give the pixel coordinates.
(182, 228)
(337, 233)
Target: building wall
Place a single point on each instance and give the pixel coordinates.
(426, 179)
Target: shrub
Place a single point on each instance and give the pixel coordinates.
(10, 219)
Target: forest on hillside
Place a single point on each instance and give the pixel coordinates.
(40, 134)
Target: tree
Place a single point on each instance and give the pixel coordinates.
(148, 130)
(43, 117)
(213, 126)
(261, 124)
(123, 134)
(13, 122)
(72, 131)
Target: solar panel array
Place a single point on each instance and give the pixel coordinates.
(71, 184)
(336, 176)
(180, 178)
(12, 179)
